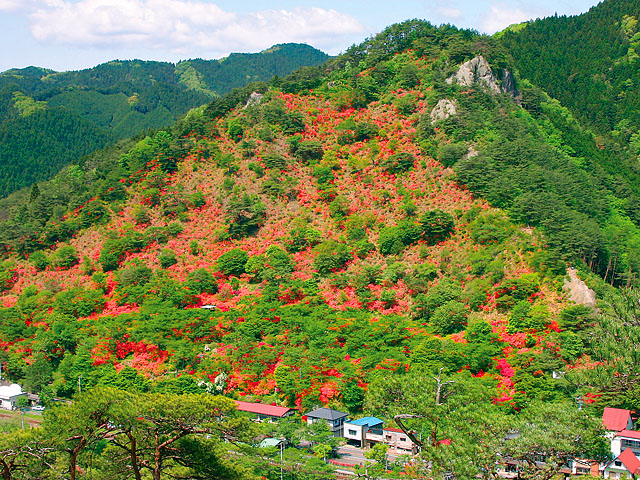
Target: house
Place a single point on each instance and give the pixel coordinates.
(626, 439)
(617, 419)
(265, 412)
(399, 443)
(333, 418)
(582, 466)
(9, 395)
(625, 465)
(364, 431)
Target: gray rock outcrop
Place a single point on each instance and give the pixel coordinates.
(478, 71)
(443, 110)
(254, 99)
(578, 291)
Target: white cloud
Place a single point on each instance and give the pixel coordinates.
(500, 17)
(183, 26)
(449, 12)
(16, 5)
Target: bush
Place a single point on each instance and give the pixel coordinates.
(39, 260)
(309, 151)
(141, 216)
(66, 257)
(436, 226)
(245, 215)
(449, 318)
(135, 275)
(330, 256)
(452, 152)
(300, 238)
(233, 262)
(398, 163)
(167, 258)
(201, 281)
(390, 241)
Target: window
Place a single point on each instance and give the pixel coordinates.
(403, 439)
(618, 463)
(388, 438)
(352, 432)
(632, 444)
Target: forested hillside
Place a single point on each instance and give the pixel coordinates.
(588, 62)
(387, 235)
(48, 119)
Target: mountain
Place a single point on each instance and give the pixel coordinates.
(48, 119)
(388, 234)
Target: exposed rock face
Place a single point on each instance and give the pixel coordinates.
(509, 83)
(254, 99)
(443, 110)
(478, 70)
(472, 152)
(578, 290)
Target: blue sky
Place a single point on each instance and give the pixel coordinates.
(75, 34)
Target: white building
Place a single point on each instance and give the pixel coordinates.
(9, 396)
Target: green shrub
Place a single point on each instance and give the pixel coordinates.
(201, 281)
(450, 153)
(39, 260)
(135, 275)
(330, 256)
(449, 318)
(309, 151)
(244, 215)
(233, 262)
(436, 226)
(66, 257)
(167, 258)
(141, 215)
(274, 160)
(198, 200)
(398, 163)
(301, 238)
(390, 241)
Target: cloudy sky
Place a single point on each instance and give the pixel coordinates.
(75, 34)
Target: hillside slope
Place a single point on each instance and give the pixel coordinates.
(294, 245)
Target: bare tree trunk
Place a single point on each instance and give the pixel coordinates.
(134, 456)
(6, 471)
(73, 460)
(608, 268)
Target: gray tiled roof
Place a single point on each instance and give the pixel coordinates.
(326, 414)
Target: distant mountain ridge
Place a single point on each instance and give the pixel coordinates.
(115, 100)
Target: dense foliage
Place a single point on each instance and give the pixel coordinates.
(307, 243)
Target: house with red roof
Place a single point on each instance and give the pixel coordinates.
(262, 411)
(625, 465)
(617, 419)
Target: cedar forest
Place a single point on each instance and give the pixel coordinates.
(353, 249)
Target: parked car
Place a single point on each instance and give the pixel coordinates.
(38, 408)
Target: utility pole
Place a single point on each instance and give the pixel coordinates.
(281, 447)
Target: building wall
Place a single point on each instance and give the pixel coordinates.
(353, 432)
(399, 443)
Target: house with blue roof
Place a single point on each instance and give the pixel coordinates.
(363, 432)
